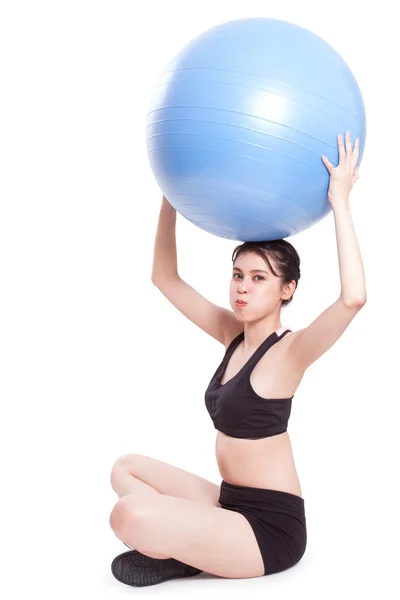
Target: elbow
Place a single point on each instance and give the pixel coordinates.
(161, 279)
(357, 302)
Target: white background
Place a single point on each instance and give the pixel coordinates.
(96, 363)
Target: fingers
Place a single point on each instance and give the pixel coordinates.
(349, 149)
(350, 152)
(327, 163)
(342, 149)
(356, 154)
(347, 155)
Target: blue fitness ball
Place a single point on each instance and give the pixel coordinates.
(238, 123)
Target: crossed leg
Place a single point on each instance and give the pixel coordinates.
(134, 473)
(140, 475)
(180, 517)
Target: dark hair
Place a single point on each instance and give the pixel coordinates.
(284, 255)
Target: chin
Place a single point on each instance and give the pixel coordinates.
(239, 315)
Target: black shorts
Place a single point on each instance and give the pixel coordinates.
(277, 519)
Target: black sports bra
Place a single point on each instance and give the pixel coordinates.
(235, 408)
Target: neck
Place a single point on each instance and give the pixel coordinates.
(256, 332)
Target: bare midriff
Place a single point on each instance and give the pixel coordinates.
(261, 463)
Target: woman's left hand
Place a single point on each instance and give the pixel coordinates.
(344, 176)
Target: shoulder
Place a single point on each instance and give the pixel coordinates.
(286, 343)
(284, 352)
(288, 338)
(292, 335)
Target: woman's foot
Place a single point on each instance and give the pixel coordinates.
(137, 569)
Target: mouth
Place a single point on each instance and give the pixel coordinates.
(240, 302)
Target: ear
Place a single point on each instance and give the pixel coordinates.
(288, 290)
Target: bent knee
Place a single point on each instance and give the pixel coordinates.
(124, 513)
(123, 464)
(126, 461)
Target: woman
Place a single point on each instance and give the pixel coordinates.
(254, 524)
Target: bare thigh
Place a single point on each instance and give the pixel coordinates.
(215, 540)
(168, 479)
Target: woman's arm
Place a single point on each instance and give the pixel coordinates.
(310, 343)
(342, 179)
(215, 320)
(165, 262)
(352, 278)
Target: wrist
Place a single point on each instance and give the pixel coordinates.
(341, 202)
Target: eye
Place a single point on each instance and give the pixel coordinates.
(260, 276)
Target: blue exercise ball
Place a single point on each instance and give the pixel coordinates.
(238, 123)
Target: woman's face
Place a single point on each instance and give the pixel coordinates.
(254, 283)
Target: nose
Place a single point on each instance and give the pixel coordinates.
(242, 287)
